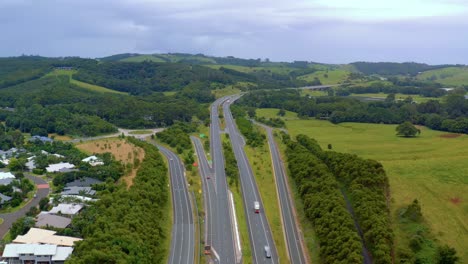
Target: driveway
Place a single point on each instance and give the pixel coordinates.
(10, 218)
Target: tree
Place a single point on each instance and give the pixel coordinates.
(447, 255)
(281, 112)
(390, 98)
(407, 129)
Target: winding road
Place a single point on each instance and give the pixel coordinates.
(183, 231)
(10, 218)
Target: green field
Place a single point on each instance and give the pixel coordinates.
(84, 85)
(450, 76)
(334, 76)
(399, 96)
(431, 168)
(141, 58)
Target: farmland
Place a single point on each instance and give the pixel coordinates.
(327, 77)
(450, 76)
(431, 168)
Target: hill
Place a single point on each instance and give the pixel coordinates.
(449, 76)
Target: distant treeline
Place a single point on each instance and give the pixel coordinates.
(450, 114)
(422, 89)
(325, 175)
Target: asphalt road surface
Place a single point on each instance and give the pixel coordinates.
(10, 218)
(293, 238)
(209, 194)
(259, 230)
(183, 230)
(222, 234)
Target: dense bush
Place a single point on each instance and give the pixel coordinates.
(128, 226)
(251, 133)
(177, 136)
(367, 186)
(324, 206)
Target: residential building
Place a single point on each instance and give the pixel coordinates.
(4, 198)
(75, 190)
(66, 209)
(93, 161)
(44, 219)
(84, 182)
(36, 253)
(41, 138)
(58, 167)
(43, 236)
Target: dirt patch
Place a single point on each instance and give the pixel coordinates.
(450, 135)
(455, 200)
(121, 150)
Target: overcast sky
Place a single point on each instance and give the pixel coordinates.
(331, 31)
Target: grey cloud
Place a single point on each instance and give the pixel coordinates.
(279, 30)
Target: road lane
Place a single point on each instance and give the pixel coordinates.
(293, 238)
(259, 230)
(223, 237)
(183, 232)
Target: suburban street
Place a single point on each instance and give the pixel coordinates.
(223, 245)
(183, 231)
(259, 230)
(10, 218)
(293, 237)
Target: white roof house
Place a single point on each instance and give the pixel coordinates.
(66, 209)
(59, 166)
(93, 161)
(6, 175)
(36, 253)
(42, 236)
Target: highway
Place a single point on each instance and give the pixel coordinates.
(293, 238)
(183, 231)
(209, 195)
(259, 230)
(223, 245)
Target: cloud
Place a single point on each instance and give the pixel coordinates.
(336, 31)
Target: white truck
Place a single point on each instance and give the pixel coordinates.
(257, 207)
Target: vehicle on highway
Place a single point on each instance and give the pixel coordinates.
(207, 250)
(257, 207)
(267, 252)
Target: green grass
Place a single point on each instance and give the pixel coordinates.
(140, 132)
(84, 85)
(429, 168)
(399, 96)
(141, 58)
(260, 161)
(273, 113)
(334, 76)
(228, 90)
(241, 219)
(169, 93)
(314, 93)
(450, 76)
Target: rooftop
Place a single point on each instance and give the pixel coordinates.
(42, 236)
(55, 252)
(66, 209)
(85, 182)
(6, 175)
(78, 190)
(45, 219)
(59, 166)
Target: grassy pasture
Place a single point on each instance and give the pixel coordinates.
(84, 85)
(399, 96)
(431, 168)
(450, 76)
(334, 76)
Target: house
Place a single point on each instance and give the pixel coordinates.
(40, 138)
(81, 198)
(6, 175)
(43, 236)
(59, 167)
(36, 253)
(75, 190)
(66, 209)
(93, 161)
(45, 219)
(4, 198)
(84, 182)
(31, 164)
(6, 181)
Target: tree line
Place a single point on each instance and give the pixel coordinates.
(128, 226)
(324, 205)
(450, 114)
(366, 184)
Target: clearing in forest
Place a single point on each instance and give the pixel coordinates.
(130, 155)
